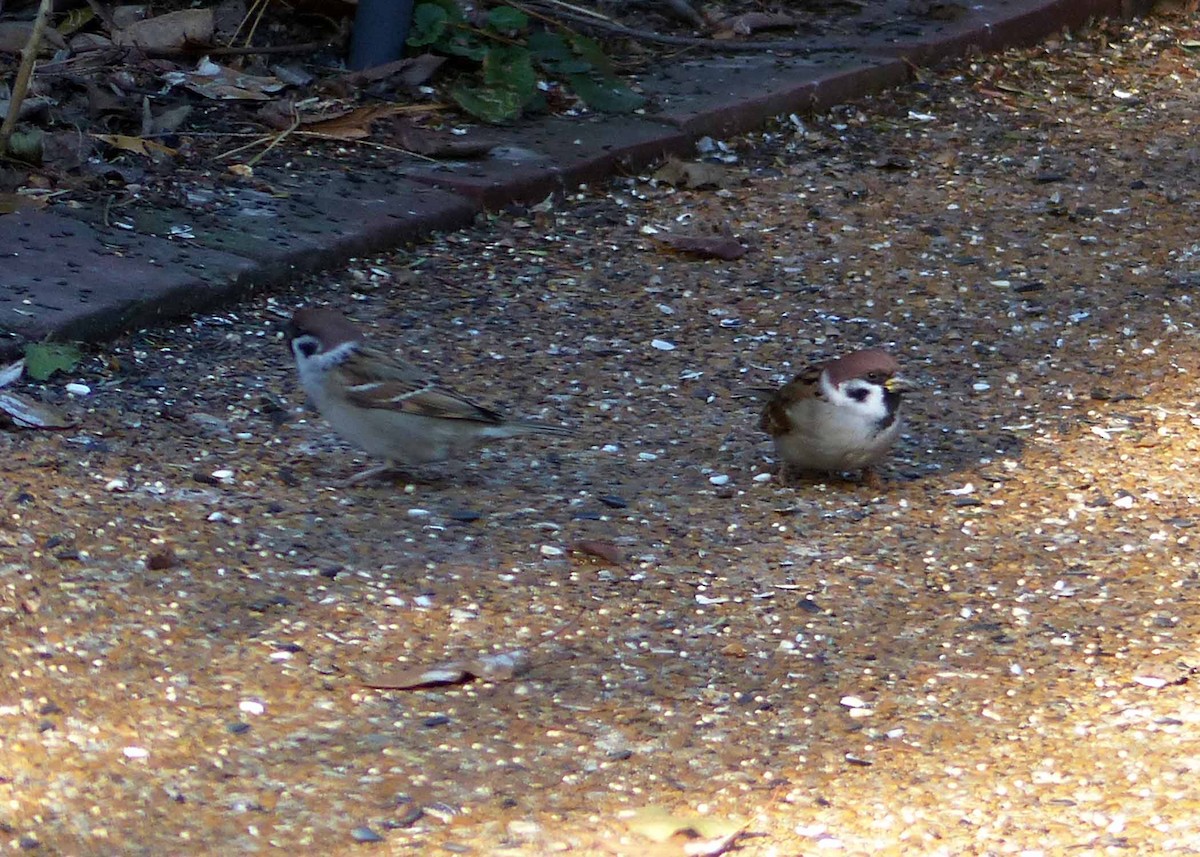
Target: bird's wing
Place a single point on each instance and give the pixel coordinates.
(776, 419)
(373, 379)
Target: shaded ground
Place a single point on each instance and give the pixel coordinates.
(134, 107)
(992, 655)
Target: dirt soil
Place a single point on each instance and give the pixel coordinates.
(991, 655)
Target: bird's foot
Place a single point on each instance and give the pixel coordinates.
(389, 469)
(870, 479)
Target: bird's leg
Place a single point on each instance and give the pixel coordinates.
(870, 478)
(371, 472)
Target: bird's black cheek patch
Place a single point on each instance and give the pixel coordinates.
(860, 394)
(308, 349)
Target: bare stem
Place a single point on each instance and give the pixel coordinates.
(24, 74)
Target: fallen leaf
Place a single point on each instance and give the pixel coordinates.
(724, 247)
(75, 20)
(21, 411)
(43, 359)
(410, 71)
(499, 667)
(165, 122)
(659, 824)
(439, 144)
(691, 174)
(137, 145)
(356, 124)
(221, 83)
(171, 31)
(15, 34)
(752, 22)
(11, 203)
(606, 551)
(11, 372)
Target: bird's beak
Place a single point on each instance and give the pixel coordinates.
(900, 384)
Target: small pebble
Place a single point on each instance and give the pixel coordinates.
(551, 550)
(981, 386)
(613, 501)
(418, 513)
(663, 345)
(365, 834)
(135, 752)
(78, 389)
(719, 479)
(762, 477)
(251, 706)
(647, 456)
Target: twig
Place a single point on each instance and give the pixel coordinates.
(24, 74)
(273, 140)
(718, 45)
(171, 53)
(279, 138)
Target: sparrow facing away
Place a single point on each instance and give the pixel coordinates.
(842, 414)
(385, 406)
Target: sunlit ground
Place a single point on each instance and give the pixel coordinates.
(991, 655)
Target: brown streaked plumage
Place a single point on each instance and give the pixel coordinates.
(837, 415)
(385, 405)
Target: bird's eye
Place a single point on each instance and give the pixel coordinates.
(307, 346)
(875, 377)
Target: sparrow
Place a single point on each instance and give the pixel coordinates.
(385, 406)
(839, 415)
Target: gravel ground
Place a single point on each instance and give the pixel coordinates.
(990, 655)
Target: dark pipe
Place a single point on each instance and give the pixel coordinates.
(380, 28)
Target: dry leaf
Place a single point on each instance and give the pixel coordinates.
(439, 144)
(11, 372)
(221, 83)
(410, 71)
(21, 411)
(691, 174)
(724, 247)
(356, 124)
(165, 122)
(752, 22)
(168, 32)
(15, 34)
(606, 551)
(659, 824)
(498, 667)
(138, 145)
(14, 202)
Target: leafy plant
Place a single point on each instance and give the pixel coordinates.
(43, 359)
(511, 53)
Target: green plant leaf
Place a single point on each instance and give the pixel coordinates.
(43, 359)
(463, 43)
(606, 94)
(429, 23)
(491, 105)
(590, 50)
(510, 68)
(551, 52)
(506, 19)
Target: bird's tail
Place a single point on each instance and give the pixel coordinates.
(512, 429)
